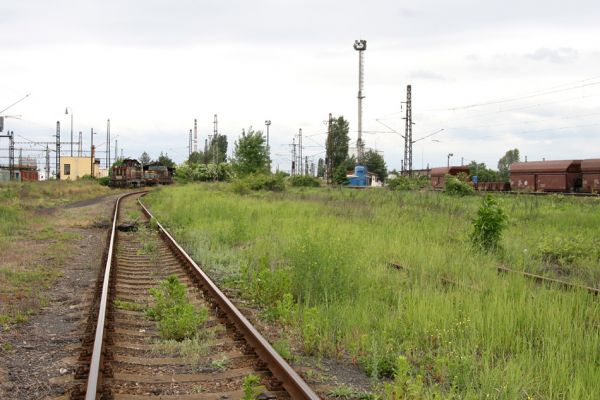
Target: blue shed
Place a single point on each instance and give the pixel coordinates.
(360, 177)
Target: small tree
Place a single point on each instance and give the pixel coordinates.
(250, 154)
(165, 160)
(488, 225)
(375, 164)
(505, 162)
(196, 157)
(339, 174)
(145, 158)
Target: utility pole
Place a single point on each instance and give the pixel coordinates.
(216, 141)
(116, 154)
(195, 136)
(360, 46)
(92, 152)
(329, 152)
(408, 142)
(306, 165)
(268, 123)
(11, 154)
(300, 150)
(294, 156)
(47, 162)
(67, 112)
(80, 148)
(107, 144)
(190, 145)
(57, 150)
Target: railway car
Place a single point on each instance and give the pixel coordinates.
(546, 176)
(129, 174)
(155, 174)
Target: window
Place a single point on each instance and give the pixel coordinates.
(67, 169)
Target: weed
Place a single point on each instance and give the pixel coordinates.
(348, 392)
(220, 364)
(563, 250)
(488, 225)
(282, 347)
(250, 387)
(7, 346)
(177, 318)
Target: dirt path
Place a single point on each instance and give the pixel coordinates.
(38, 359)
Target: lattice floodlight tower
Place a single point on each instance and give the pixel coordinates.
(360, 45)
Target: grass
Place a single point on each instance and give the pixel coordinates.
(318, 260)
(33, 247)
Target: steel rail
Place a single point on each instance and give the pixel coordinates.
(281, 370)
(94, 373)
(545, 279)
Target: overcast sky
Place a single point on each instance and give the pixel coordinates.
(494, 75)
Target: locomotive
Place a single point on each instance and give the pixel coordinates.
(133, 174)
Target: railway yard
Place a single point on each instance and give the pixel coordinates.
(291, 310)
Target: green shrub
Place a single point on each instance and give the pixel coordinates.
(488, 225)
(304, 180)
(177, 318)
(250, 387)
(563, 251)
(408, 183)
(104, 181)
(271, 182)
(456, 187)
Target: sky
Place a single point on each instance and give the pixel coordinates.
(494, 75)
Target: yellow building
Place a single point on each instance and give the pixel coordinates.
(72, 168)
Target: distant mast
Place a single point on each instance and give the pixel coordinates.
(360, 45)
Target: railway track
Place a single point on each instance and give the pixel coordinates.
(128, 358)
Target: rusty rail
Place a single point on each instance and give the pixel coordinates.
(281, 370)
(537, 278)
(94, 373)
(544, 279)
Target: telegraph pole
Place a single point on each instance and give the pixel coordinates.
(57, 150)
(80, 148)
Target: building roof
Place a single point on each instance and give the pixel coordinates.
(544, 166)
(591, 165)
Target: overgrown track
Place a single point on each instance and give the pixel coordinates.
(131, 361)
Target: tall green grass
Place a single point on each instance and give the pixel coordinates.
(318, 261)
